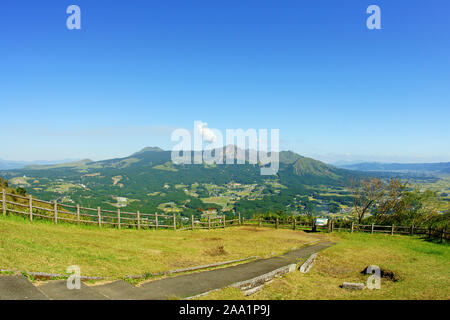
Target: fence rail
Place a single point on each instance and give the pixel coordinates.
(440, 234)
(51, 210)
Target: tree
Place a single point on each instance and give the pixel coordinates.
(310, 208)
(415, 208)
(365, 195)
(334, 207)
(393, 201)
(3, 183)
(21, 191)
(441, 221)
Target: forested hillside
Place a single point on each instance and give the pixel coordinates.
(148, 181)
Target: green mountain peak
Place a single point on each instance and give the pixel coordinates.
(148, 149)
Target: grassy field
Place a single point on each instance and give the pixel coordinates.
(221, 201)
(44, 247)
(422, 267)
(423, 270)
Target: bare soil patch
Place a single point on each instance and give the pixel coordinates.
(216, 251)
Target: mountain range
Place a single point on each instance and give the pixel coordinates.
(305, 169)
(11, 164)
(149, 181)
(438, 167)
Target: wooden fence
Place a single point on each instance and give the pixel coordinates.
(33, 208)
(57, 212)
(349, 226)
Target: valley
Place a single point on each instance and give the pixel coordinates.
(148, 181)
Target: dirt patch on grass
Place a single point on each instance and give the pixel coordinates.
(216, 251)
(385, 274)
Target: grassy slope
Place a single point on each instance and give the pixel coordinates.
(45, 247)
(423, 269)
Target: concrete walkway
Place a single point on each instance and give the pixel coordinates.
(181, 286)
(19, 288)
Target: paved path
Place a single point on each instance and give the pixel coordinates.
(18, 287)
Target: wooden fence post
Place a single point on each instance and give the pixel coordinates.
(352, 226)
(156, 220)
(260, 222)
(332, 225)
(392, 230)
(30, 206)
(174, 222)
(99, 216)
(429, 232)
(192, 221)
(276, 223)
(118, 218)
(4, 201)
(239, 218)
(442, 234)
(294, 223)
(224, 222)
(209, 222)
(314, 227)
(371, 230)
(78, 213)
(329, 225)
(412, 229)
(55, 211)
(138, 220)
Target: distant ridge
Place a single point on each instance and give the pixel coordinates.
(74, 164)
(11, 164)
(441, 167)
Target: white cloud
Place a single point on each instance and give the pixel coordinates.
(207, 134)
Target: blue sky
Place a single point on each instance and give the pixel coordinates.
(138, 69)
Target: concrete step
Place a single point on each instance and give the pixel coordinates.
(18, 287)
(57, 290)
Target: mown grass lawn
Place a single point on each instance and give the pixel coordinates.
(423, 269)
(40, 246)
